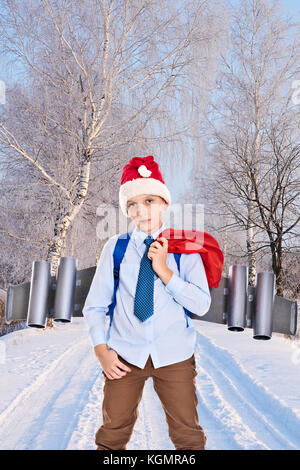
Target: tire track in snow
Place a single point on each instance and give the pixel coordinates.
(90, 417)
(33, 402)
(277, 425)
(61, 408)
(224, 428)
(57, 425)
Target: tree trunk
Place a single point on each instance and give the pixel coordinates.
(64, 221)
(277, 265)
(251, 245)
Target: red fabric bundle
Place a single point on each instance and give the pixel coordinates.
(197, 241)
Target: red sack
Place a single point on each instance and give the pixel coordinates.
(197, 241)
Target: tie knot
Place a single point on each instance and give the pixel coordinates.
(148, 240)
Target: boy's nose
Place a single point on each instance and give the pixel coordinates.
(141, 210)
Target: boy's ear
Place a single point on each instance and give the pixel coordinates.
(165, 207)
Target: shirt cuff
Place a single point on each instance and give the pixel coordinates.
(97, 335)
(175, 284)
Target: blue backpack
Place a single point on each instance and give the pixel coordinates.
(118, 255)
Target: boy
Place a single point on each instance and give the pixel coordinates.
(148, 336)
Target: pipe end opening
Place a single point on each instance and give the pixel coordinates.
(262, 337)
(235, 328)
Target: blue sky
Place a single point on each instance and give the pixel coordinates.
(291, 5)
(288, 6)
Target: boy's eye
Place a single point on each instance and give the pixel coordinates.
(132, 203)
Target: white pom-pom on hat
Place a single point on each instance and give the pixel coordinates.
(143, 171)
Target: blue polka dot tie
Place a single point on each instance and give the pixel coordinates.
(143, 302)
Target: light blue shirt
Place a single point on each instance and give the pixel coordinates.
(165, 335)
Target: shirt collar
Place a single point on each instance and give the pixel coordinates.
(139, 236)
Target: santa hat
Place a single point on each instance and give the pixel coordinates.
(141, 176)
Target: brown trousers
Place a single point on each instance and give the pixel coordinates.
(175, 387)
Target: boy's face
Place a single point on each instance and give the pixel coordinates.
(146, 211)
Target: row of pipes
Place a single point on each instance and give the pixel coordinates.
(65, 285)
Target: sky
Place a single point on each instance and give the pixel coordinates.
(291, 5)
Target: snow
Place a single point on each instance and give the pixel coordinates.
(52, 389)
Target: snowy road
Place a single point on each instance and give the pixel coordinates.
(51, 391)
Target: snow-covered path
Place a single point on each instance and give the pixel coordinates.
(51, 391)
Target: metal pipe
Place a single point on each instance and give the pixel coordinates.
(65, 289)
(264, 302)
(38, 305)
(237, 297)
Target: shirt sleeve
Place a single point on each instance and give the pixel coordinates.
(191, 289)
(100, 294)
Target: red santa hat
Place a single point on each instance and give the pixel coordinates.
(142, 176)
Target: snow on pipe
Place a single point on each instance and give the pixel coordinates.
(65, 289)
(264, 302)
(38, 305)
(237, 297)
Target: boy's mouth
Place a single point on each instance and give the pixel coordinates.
(146, 220)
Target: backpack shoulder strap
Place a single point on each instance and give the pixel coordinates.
(187, 312)
(118, 255)
(119, 252)
(177, 259)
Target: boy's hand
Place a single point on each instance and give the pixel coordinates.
(110, 363)
(158, 254)
(158, 251)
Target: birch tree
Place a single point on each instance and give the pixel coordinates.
(277, 190)
(94, 72)
(262, 57)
